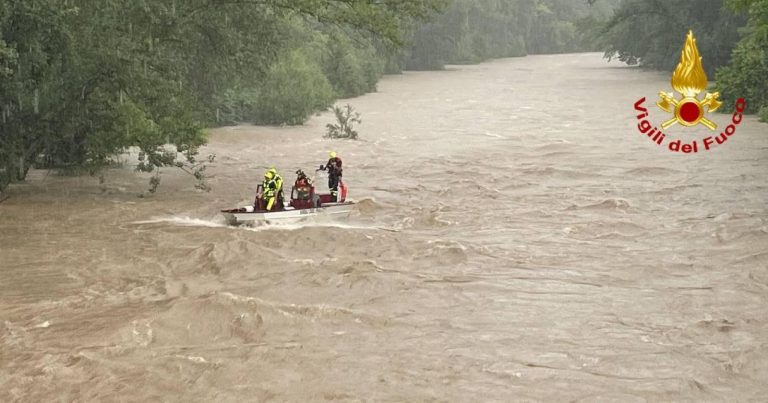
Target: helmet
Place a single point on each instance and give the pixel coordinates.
(332, 154)
(273, 171)
(269, 174)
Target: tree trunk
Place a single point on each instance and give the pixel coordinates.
(22, 173)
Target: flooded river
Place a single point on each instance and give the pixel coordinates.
(517, 239)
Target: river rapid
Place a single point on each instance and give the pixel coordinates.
(517, 239)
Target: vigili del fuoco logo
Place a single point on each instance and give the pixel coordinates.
(689, 80)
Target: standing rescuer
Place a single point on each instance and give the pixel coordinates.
(334, 173)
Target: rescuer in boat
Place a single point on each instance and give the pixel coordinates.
(303, 185)
(271, 189)
(279, 182)
(334, 173)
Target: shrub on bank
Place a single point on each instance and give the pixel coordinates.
(293, 89)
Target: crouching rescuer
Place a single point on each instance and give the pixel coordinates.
(271, 190)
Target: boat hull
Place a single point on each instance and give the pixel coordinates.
(288, 215)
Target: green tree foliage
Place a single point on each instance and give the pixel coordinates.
(732, 36)
(294, 89)
(312, 57)
(352, 68)
(652, 32)
(745, 75)
(83, 80)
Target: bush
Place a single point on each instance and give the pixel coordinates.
(763, 114)
(293, 89)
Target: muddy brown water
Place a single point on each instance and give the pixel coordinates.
(517, 240)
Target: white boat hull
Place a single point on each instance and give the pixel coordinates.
(289, 214)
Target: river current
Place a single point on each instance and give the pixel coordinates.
(517, 239)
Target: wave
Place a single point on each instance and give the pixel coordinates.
(184, 221)
(759, 259)
(607, 204)
(651, 171)
(494, 135)
(444, 252)
(559, 173)
(198, 321)
(309, 222)
(619, 204)
(555, 145)
(368, 206)
(311, 312)
(749, 237)
(424, 219)
(602, 228)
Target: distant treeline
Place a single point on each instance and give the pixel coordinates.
(732, 36)
(470, 31)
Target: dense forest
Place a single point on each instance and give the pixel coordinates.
(470, 31)
(84, 80)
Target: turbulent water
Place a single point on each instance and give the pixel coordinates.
(517, 239)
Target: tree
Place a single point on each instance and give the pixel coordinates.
(84, 80)
(745, 75)
(346, 118)
(470, 31)
(651, 32)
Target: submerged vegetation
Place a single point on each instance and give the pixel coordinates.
(346, 118)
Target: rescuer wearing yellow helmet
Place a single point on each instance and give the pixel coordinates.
(279, 181)
(334, 173)
(272, 188)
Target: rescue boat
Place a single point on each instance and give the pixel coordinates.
(304, 203)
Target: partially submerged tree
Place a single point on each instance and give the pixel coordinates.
(346, 118)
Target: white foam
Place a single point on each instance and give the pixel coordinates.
(184, 221)
(287, 226)
(498, 136)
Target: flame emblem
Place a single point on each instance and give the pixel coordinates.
(689, 79)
